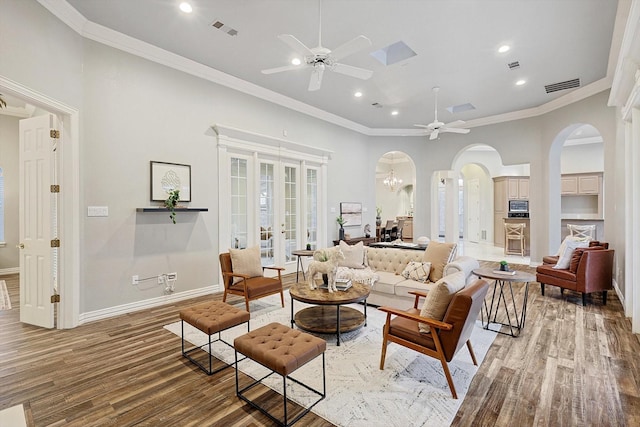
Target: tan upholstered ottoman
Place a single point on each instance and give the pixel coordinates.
(282, 350)
(211, 317)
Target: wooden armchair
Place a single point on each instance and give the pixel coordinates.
(249, 288)
(446, 337)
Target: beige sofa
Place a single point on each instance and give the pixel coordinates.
(383, 268)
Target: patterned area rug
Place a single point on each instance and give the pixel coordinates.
(411, 390)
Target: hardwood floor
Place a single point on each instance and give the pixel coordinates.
(571, 366)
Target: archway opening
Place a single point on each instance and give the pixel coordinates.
(395, 190)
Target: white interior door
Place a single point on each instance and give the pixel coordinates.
(35, 212)
(473, 210)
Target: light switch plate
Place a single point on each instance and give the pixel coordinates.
(97, 211)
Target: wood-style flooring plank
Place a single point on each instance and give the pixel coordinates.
(571, 366)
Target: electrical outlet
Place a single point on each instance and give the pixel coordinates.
(172, 276)
(134, 279)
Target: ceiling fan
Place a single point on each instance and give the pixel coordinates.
(320, 58)
(436, 127)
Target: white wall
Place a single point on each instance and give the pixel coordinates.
(582, 158)
(134, 111)
(9, 255)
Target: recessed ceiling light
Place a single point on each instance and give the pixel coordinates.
(186, 7)
(357, 94)
(504, 48)
(296, 61)
(394, 113)
(520, 82)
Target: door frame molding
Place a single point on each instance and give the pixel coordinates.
(255, 144)
(69, 201)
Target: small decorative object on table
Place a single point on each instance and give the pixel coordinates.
(171, 202)
(341, 221)
(504, 269)
(308, 246)
(378, 216)
(367, 230)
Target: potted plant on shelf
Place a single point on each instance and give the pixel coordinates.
(172, 202)
(340, 220)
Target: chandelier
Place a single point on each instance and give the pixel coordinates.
(391, 181)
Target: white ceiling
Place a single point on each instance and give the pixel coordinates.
(456, 43)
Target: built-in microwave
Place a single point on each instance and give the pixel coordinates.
(518, 209)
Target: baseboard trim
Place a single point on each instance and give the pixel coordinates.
(619, 293)
(106, 313)
(12, 270)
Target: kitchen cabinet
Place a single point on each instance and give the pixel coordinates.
(518, 188)
(506, 188)
(580, 184)
(581, 194)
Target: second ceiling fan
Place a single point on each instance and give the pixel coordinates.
(320, 58)
(436, 127)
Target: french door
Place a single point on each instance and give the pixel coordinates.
(270, 200)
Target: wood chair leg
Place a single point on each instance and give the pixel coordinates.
(445, 367)
(473, 356)
(224, 296)
(383, 354)
(246, 303)
(282, 297)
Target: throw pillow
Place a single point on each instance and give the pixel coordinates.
(353, 255)
(439, 255)
(418, 271)
(577, 254)
(567, 239)
(565, 258)
(438, 299)
(246, 261)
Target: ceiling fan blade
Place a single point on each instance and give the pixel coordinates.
(350, 47)
(422, 126)
(455, 130)
(280, 69)
(316, 78)
(434, 134)
(295, 44)
(454, 124)
(349, 70)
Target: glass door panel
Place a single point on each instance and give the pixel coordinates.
(312, 208)
(267, 207)
(290, 225)
(239, 214)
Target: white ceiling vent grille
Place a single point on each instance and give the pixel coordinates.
(569, 84)
(513, 65)
(225, 28)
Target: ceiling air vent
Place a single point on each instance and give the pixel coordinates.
(513, 65)
(569, 84)
(225, 28)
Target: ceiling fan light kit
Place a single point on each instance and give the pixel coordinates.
(435, 128)
(320, 58)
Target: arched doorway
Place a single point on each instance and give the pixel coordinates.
(395, 189)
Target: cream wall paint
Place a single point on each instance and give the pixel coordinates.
(9, 255)
(582, 158)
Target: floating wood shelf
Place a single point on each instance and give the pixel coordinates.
(161, 209)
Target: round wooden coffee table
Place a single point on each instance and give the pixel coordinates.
(329, 315)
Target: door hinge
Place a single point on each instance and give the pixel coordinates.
(55, 298)
(55, 134)
(55, 188)
(55, 243)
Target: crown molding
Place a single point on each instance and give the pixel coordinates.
(90, 30)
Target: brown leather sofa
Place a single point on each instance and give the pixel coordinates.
(590, 270)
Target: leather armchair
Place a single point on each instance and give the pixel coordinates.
(591, 270)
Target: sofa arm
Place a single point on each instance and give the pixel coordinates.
(462, 263)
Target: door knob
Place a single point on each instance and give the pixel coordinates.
(20, 246)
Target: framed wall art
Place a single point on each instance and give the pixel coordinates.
(166, 177)
(351, 212)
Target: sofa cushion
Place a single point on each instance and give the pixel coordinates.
(438, 254)
(353, 255)
(246, 261)
(548, 270)
(438, 299)
(387, 282)
(417, 270)
(565, 257)
(403, 288)
(390, 259)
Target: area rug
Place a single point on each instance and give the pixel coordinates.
(411, 391)
(5, 301)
